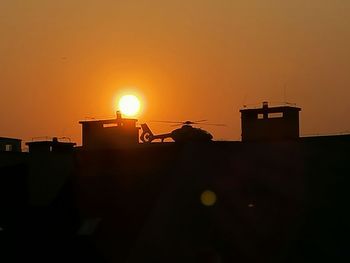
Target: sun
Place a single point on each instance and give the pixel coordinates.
(129, 105)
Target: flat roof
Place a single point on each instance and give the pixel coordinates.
(272, 109)
(9, 139)
(107, 121)
(50, 142)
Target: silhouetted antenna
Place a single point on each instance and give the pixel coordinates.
(244, 100)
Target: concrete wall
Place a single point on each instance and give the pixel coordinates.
(259, 129)
(95, 136)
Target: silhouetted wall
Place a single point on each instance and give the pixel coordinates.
(10, 145)
(267, 124)
(54, 146)
(275, 202)
(109, 134)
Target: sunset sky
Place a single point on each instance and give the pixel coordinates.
(64, 61)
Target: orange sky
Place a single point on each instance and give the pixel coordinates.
(62, 61)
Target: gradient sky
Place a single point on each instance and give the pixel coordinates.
(63, 61)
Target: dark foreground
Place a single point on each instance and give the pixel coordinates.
(276, 202)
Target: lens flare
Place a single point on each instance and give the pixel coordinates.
(208, 198)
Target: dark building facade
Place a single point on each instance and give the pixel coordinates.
(109, 134)
(50, 146)
(275, 201)
(270, 123)
(10, 145)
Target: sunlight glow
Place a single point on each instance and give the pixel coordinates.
(129, 105)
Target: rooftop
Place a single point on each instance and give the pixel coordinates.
(275, 107)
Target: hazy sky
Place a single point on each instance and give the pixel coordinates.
(63, 61)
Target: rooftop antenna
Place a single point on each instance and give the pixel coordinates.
(244, 100)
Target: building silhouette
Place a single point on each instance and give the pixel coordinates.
(278, 198)
(10, 145)
(47, 146)
(270, 123)
(109, 134)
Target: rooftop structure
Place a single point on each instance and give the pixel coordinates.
(270, 123)
(109, 134)
(47, 146)
(10, 145)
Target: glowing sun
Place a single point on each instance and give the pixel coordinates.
(129, 105)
